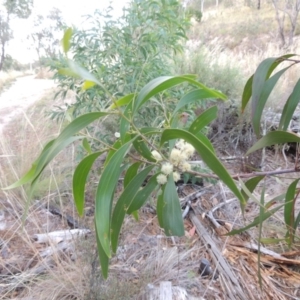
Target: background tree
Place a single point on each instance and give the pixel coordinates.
(46, 36)
(8, 10)
(285, 8)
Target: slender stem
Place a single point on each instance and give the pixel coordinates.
(247, 175)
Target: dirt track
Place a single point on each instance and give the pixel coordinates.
(24, 92)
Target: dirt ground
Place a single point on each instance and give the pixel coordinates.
(24, 92)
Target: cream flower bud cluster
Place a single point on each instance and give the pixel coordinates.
(178, 158)
(180, 154)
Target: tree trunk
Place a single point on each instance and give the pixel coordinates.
(2, 58)
(291, 9)
(280, 22)
(4, 39)
(258, 4)
(293, 16)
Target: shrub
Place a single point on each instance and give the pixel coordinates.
(126, 53)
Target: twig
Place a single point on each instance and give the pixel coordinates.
(248, 175)
(187, 209)
(222, 204)
(272, 256)
(191, 197)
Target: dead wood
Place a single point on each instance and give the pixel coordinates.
(233, 288)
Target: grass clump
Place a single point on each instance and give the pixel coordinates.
(213, 68)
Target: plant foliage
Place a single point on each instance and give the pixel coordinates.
(151, 159)
(125, 53)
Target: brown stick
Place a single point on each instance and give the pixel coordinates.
(248, 175)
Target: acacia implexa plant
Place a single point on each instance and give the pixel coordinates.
(151, 160)
(163, 154)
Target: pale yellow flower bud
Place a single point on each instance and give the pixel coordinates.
(175, 157)
(185, 167)
(161, 179)
(156, 155)
(167, 168)
(176, 176)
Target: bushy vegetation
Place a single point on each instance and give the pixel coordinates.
(118, 72)
(124, 53)
(154, 158)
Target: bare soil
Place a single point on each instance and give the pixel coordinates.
(23, 93)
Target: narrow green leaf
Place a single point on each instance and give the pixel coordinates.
(160, 207)
(46, 156)
(260, 226)
(123, 204)
(204, 119)
(122, 101)
(267, 214)
(273, 138)
(194, 96)
(251, 185)
(171, 210)
(274, 200)
(86, 146)
(104, 259)
(256, 85)
(270, 241)
(30, 175)
(247, 93)
(205, 141)
(117, 145)
(83, 73)
(290, 107)
(87, 85)
(289, 209)
(78, 124)
(131, 172)
(124, 124)
(259, 78)
(141, 147)
(66, 41)
(258, 106)
(163, 83)
(64, 139)
(79, 180)
(207, 155)
(142, 196)
(104, 196)
(68, 72)
(297, 221)
(24, 179)
(135, 214)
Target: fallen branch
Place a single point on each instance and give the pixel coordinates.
(59, 236)
(234, 289)
(271, 255)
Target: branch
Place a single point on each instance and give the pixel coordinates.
(247, 175)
